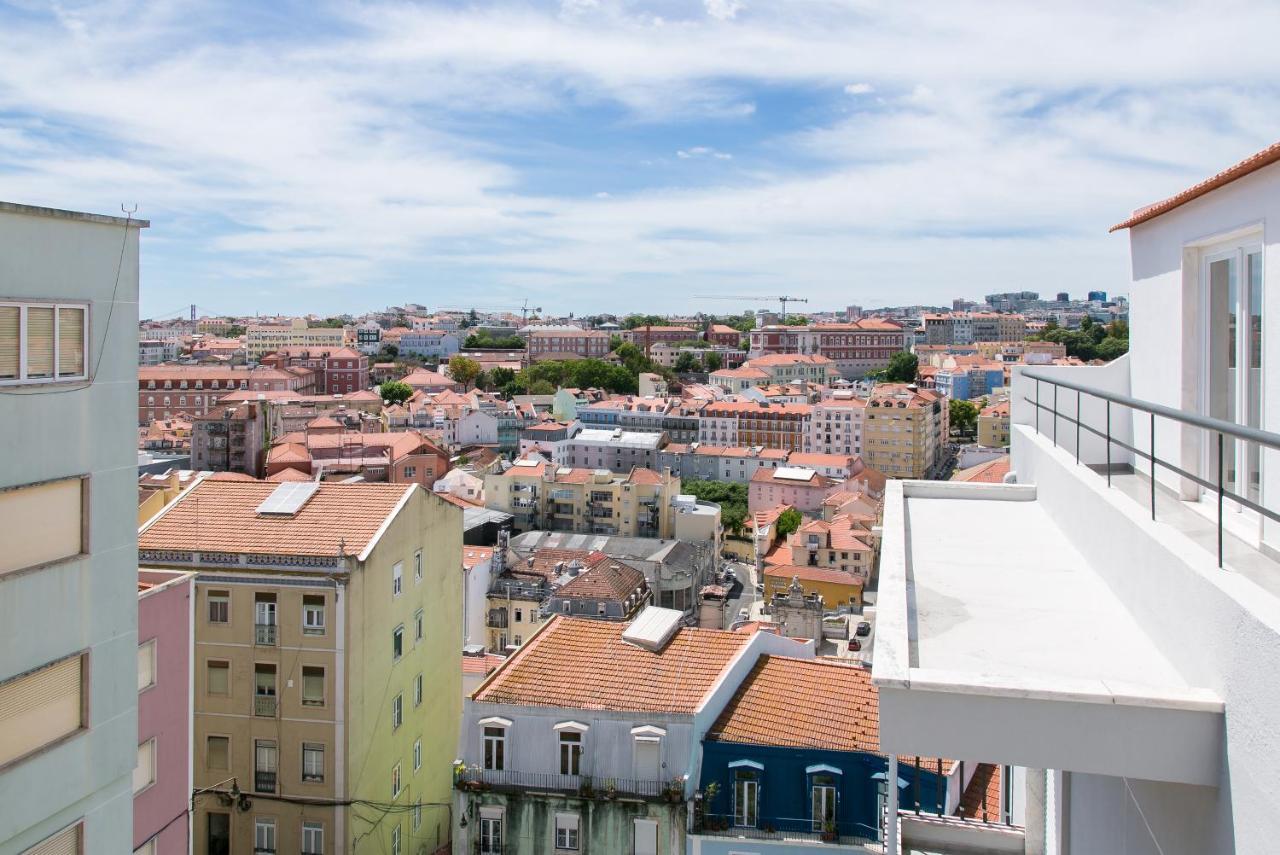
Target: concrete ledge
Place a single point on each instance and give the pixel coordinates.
(950, 834)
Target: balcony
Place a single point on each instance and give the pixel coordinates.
(265, 705)
(264, 782)
(839, 836)
(476, 779)
(265, 634)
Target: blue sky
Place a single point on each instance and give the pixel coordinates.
(595, 155)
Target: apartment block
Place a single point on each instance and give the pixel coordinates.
(644, 337)
(261, 339)
(993, 425)
(338, 370)
(231, 437)
(326, 634)
(750, 423)
(165, 390)
(904, 430)
(835, 426)
(854, 348)
(68, 511)
(162, 776)
(566, 343)
(616, 450)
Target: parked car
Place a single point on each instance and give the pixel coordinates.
(855, 645)
(760, 589)
(729, 574)
(864, 628)
(744, 614)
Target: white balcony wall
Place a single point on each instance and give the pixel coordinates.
(1112, 377)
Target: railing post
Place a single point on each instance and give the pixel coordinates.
(915, 788)
(1079, 395)
(1219, 500)
(1108, 443)
(1153, 467)
(1037, 405)
(1055, 415)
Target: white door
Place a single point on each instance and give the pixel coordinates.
(648, 757)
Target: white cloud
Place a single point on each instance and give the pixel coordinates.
(858, 89)
(723, 10)
(702, 151)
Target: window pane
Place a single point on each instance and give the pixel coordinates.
(313, 686)
(146, 664)
(39, 708)
(70, 342)
(144, 771)
(39, 341)
(40, 524)
(217, 755)
(9, 316)
(219, 682)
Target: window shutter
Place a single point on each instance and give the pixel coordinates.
(9, 317)
(146, 664)
(66, 842)
(218, 674)
(70, 342)
(39, 342)
(39, 708)
(312, 684)
(217, 756)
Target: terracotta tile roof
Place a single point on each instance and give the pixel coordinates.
(230, 476)
(640, 475)
(753, 626)
(483, 665)
(605, 579)
(1266, 157)
(543, 562)
(981, 798)
(323, 422)
(221, 516)
(584, 664)
(805, 573)
(791, 359)
(289, 452)
(288, 474)
(473, 555)
(991, 472)
(803, 703)
(814, 460)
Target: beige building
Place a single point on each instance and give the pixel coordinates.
(640, 503)
(327, 620)
(261, 339)
(993, 425)
(904, 430)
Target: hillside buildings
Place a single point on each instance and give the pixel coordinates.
(68, 571)
(854, 348)
(261, 339)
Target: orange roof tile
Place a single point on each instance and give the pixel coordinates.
(805, 573)
(605, 579)
(981, 798)
(991, 472)
(584, 664)
(473, 555)
(288, 474)
(222, 516)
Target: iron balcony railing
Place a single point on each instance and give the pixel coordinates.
(265, 634)
(474, 778)
(1214, 427)
(264, 782)
(797, 829)
(264, 705)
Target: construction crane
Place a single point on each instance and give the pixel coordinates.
(781, 299)
(523, 310)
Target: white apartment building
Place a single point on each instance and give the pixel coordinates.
(836, 425)
(1123, 642)
(68, 567)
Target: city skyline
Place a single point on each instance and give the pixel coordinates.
(584, 154)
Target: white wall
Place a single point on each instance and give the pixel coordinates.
(475, 606)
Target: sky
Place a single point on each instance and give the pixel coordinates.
(603, 156)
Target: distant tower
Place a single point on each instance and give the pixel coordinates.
(193, 311)
(1064, 297)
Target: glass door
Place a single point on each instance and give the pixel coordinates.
(1233, 360)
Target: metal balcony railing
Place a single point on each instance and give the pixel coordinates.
(474, 778)
(264, 705)
(265, 634)
(264, 782)
(798, 829)
(1218, 429)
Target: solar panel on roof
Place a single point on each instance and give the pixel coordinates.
(793, 473)
(288, 498)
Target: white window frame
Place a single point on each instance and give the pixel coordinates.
(397, 781)
(312, 838)
(566, 832)
(417, 690)
(310, 625)
(417, 567)
(21, 379)
(397, 712)
(417, 754)
(491, 833)
(494, 760)
(150, 744)
(264, 835)
(311, 749)
(147, 654)
(397, 579)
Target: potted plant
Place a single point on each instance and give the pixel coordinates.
(675, 790)
(585, 790)
(829, 830)
(611, 789)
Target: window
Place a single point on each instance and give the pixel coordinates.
(567, 831)
(42, 342)
(417, 626)
(519, 615)
(217, 752)
(218, 677)
(144, 772)
(570, 753)
(822, 800)
(516, 641)
(746, 797)
(312, 686)
(417, 690)
(312, 762)
(417, 754)
(490, 835)
(41, 523)
(40, 707)
(69, 841)
(219, 606)
(397, 711)
(397, 571)
(397, 643)
(265, 765)
(146, 664)
(417, 816)
(264, 836)
(395, 781)
(395, 841)
(148, 848)
(645, 835)
(409, 471)
(495, 748)
(312, 838)
(417, 566)
(312, 615)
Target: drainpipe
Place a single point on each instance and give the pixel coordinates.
(891, 807)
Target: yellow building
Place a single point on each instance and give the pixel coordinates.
(327, 620)
(543, 495)
(993, 425)
(261, 339)
(904, 430)
(836, 587)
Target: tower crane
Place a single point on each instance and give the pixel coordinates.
(523, 310)
(780, 298)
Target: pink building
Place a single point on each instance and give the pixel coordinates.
(800, 487)
(162, 780)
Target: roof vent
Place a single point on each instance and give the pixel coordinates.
(288, 498)
(653, 628)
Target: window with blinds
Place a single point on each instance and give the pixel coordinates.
(43, 342)
(69, 841)
(40, 707)
(41, 523)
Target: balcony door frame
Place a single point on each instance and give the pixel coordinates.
(1237, 247)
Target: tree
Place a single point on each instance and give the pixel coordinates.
(500, 376)
(1111, 348)
(964, 416)
(630, 322)
(712, 361)
(615, 342)
(389, 353)
(463, 369)
(395, 391)
(731, 497)
(788, 521)
(542, 387)
(686, 362)
(902, 368)
(484, 381)
(235, 331)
